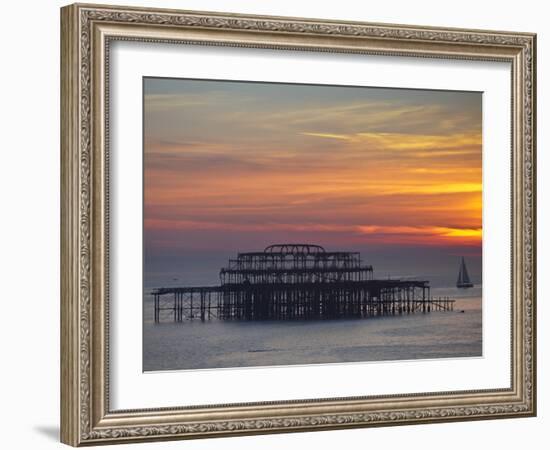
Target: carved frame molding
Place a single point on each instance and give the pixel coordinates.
(87, 31)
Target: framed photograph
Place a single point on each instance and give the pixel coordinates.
(276, 224)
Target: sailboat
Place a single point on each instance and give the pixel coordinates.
(463, 280)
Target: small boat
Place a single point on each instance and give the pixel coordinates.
(463, 281)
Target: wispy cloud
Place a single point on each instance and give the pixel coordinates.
(351, 166)
(342, 137)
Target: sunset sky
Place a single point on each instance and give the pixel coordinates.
(236, 166)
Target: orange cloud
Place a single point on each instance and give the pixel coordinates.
(367, 171)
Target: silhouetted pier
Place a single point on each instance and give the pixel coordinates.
(297, 281)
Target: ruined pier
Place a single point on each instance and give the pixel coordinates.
(296, 282)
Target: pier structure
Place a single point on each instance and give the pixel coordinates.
(300, 282)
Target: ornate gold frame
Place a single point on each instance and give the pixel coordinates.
(86, 31)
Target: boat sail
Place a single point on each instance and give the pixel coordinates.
(463, 280)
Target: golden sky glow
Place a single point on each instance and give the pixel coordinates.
(234, 166)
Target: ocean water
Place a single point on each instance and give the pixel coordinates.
(222, 344)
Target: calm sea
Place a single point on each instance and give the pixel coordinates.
(223, 344)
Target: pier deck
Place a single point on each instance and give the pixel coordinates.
(286, 301)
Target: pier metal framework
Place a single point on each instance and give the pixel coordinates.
(296, 281)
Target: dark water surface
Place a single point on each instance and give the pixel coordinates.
(221, 344)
